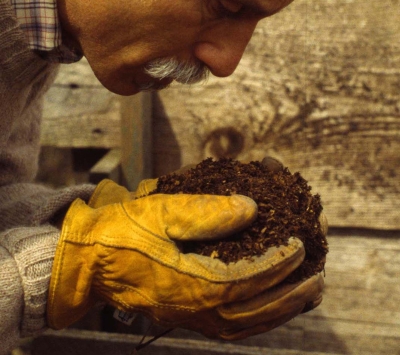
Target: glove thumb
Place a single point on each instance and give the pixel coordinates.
(192, 217)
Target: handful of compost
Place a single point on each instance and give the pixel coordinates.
(286, 208)
(142, 255)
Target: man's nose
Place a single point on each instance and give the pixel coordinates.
(222, 46)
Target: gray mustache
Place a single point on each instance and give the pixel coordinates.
(182, 72)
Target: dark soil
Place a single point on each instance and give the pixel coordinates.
(286, 208)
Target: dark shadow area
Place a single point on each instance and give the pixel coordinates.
(59, 167)
(363, 232)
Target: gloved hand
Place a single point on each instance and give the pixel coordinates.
(127, 255)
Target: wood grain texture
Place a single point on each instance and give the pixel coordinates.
(97, 130)
(80, 113)
(319, 88)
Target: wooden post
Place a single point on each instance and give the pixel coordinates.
(136, 140)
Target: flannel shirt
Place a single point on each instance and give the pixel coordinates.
(39, 21)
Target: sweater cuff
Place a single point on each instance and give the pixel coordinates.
(33, 250)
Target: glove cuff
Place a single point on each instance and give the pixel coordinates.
(70, 296)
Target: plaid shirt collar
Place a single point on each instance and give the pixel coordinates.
(39, 20)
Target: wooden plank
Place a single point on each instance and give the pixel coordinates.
(362, 281)
(69, 342)
(310, 334)
(98, 130)
(368, 306)
(78, 112)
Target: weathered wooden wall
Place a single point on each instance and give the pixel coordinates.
(79, 112)
(318, 87)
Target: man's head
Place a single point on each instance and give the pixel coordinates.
(133, 45)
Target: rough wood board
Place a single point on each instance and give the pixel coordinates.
(78, 112)
(318, 87)
(98, 130)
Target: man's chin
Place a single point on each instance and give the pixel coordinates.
(133, 88)
(122, 88)
(127, 86)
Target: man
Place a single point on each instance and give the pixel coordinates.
(62, 252)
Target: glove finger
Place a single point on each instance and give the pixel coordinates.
(274, 304)
(145, 187)
(231, 335)
(270, 324)
(259, 274)
(312, 305)
(195, 217)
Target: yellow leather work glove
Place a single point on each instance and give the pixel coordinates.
(127, 254)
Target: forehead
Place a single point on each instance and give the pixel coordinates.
(265, 7)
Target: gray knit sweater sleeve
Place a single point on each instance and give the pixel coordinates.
(28, 235)
(27, 246)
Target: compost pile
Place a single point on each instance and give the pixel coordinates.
(286, 208)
